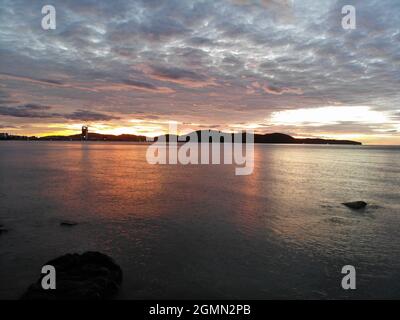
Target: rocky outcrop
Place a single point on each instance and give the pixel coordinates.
(68, 223)
(355, 205)
(87, 276)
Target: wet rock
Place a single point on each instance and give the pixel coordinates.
(68, 223)
(355, 205)
(2, 229)
(87, 276)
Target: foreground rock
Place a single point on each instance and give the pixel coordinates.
(88, 276)
(356, 205)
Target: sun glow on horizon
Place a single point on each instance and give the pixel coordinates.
(299, 123)
(329, 115)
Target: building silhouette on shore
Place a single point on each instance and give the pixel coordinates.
(85, 133)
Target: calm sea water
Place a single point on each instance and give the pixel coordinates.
(200, 231)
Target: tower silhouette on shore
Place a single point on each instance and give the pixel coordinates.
(85, 133)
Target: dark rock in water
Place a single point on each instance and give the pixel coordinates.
(355, 205)
(2, 229)
(89, 276)
(68, 223)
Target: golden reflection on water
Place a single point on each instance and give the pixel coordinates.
(107, 180)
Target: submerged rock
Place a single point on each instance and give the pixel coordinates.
(87, 276)
(68, 223)
(2, 229)
(355, 205)
(338, 220)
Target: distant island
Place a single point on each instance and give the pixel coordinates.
(258, 138)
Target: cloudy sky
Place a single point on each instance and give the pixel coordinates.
(133, 66)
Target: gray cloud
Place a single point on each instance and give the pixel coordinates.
(174, 73)
(140, 84)
(85, 115)
(39, 111)
(207, 56)
(6, 127)
(27, 111)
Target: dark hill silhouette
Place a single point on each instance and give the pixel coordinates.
(274, 138)
(267, 138)
(97, 137)
(258, 138)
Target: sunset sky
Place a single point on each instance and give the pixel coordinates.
(269, 65)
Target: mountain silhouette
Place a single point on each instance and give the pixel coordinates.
(258, 138)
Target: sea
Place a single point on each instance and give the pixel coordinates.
(200, 231)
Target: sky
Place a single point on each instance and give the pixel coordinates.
(134, 66)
